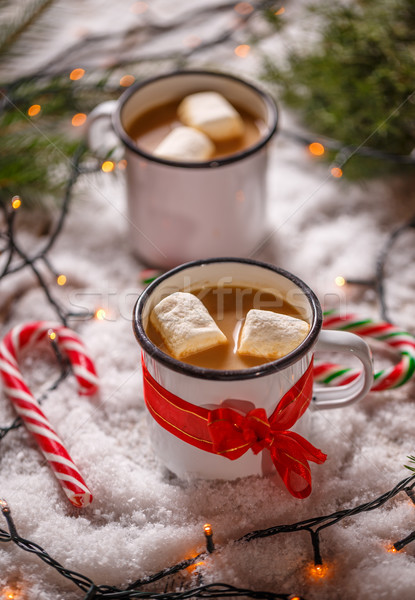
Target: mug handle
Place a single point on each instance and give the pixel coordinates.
(100, 135)
(338, 396)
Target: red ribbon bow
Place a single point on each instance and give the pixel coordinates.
(226, 432)
(233, 434)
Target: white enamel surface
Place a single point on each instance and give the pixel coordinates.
(178, 214)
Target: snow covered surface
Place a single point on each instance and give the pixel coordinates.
(142, 519)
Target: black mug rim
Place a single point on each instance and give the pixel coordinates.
(228, 375)
(218, 162)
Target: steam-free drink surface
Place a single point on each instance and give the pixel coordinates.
(150, 128)
(229, 306)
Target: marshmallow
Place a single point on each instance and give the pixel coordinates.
(185, 143)
(185, 325)
(211, 113)
(271, 335)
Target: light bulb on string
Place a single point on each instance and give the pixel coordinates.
(243, 8)
(336, 172)
(317, 571)
(242, 50)
(76, 74)
(61, 280)
(52, 335)
(127, 80)
(107, 166)
(316, 149)
(210, 546)
(340, 281)
(100, 314)
(78, 119)
(34, 110)
(16, 202)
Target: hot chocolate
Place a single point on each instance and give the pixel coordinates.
(229, 306)
(151, 127)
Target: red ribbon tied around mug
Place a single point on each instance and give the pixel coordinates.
(227, 432)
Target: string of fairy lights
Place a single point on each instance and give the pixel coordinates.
(15, 259)
(317, 568)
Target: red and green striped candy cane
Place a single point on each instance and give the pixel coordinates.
(391, 377)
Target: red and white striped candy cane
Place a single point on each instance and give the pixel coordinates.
(28, 409)
(385, 379)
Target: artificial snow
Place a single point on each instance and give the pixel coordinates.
(142, 518)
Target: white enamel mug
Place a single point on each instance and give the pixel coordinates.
(180, 211)
(258, 387)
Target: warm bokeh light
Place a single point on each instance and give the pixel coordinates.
(77, 74)
(107, 166)
(34, 110)
(280, 11)
(316, 149)
(10, 593)
(78, 119)
(242, 51)
(16, 202)
(138, 8)
(127, 80)
(61, 279)
(122, 164)
(207, 528)
(318, 571)
(100, 314)
(243, 8)
(336, 172)
(391, 548)
(52, 334)
(340, 281)
(192, 41)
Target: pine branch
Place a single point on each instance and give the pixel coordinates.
(10, 32)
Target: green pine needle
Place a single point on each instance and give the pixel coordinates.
(357, 84)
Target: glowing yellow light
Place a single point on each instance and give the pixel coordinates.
(122, 164)
(100, 314)
(138, 8)
(336, 172)
(243, 8)
(242, 51)
(280, 11)
(16, 202)
(52, 334)
(207, 528)
(316, 148)
(127, 80)
(295, 598)
(34, 110)
(391, 548)
(107, 166)
(78, 119)
(340, 281)
(77, 74)
(61, 279)
(318, 571)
